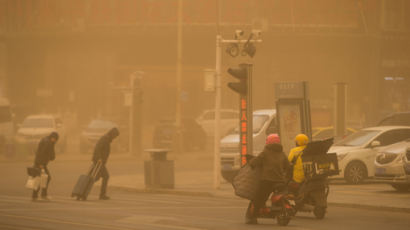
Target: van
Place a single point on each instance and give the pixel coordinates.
(264, 123)
(6, 124)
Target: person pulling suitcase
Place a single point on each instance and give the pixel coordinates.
(101, 153)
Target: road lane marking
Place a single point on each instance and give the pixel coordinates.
(67, 200)
(116, 208)
(174, 227)
(18, 227)
(56, 221)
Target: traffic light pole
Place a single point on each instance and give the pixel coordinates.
(135, 137)
(217, 134)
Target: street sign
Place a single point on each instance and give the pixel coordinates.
(209, 80)
(127, 99)
(290, 90)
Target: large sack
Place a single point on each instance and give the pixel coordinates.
(246, 182)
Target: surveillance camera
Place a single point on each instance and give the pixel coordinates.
(233, 50)
(256, 33)
(238, 34)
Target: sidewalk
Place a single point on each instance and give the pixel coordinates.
(199, 183)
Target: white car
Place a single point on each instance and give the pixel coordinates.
(6, 123)
(264, 123)
(35, 127)
(393, 165)
(357, 152)
(229, 120)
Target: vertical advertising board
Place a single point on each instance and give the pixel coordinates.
(293, 112)
(290, 123)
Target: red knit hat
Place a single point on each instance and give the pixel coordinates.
(273, 139)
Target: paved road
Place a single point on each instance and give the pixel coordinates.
(148, 211)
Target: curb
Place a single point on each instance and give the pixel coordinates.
(163, 191)
(370, 207)
(210, 194)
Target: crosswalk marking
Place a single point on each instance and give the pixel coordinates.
(138, 203)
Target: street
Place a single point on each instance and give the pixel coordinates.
(131, 210)
(146, 211)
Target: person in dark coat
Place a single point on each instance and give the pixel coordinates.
(275, 166)
(101, 154)
(44, 154)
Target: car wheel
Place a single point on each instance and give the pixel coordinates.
(283, 220)
(355, 173)
(401, 187)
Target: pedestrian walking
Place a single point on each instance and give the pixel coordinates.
(44, 154)
(101, 153)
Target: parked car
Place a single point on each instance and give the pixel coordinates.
(401, 118)
(6, 124)
(93, 132)
(193, 136)
(264, 123)
(357, 152)
(229, 120)
(323, 133)
(35, 127)
(393, 165)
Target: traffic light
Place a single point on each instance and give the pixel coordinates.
(241, 73)
(244, 88)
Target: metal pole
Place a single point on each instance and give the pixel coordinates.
(340, 109)
(132, 112)
(217, 160)
(179, 79)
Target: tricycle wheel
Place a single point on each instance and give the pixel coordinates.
(283, 220)
(319, 212)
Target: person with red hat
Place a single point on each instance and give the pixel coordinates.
(275, 166)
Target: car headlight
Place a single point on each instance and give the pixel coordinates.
(341, 156)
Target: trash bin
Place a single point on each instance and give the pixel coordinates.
(159, 172)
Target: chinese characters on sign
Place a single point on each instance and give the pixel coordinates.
(243, 130)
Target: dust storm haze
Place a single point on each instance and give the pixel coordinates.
(143, 66)
(75, 58)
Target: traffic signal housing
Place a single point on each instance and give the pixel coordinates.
(244, 88)
(241, 73)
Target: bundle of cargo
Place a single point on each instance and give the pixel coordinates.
(246, 181)
(317, 163)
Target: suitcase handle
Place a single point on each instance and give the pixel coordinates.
(95, 168)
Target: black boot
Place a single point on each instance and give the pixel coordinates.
(104, 197)
(250, 217)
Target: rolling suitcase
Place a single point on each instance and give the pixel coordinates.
(86, 182)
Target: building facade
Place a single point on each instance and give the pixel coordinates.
(76, 55)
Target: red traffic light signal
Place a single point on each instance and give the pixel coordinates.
(242, 73)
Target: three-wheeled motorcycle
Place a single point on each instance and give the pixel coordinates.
(318, 165)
